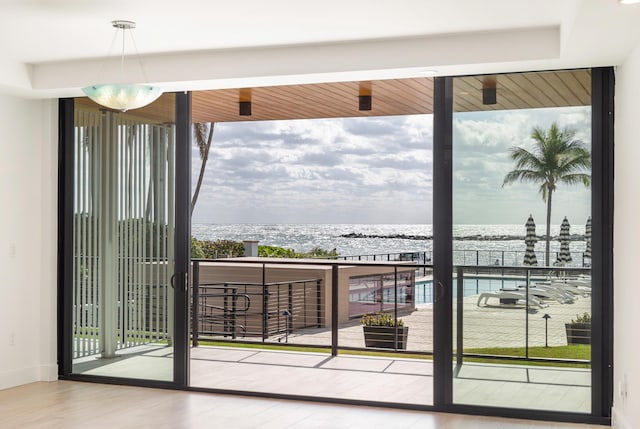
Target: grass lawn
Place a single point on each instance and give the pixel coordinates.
(573, 352)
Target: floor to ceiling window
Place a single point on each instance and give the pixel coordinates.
(123, 241)
(308, 171)
(522, 244)
(504, 301)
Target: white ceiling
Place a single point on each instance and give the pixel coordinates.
(53, 47)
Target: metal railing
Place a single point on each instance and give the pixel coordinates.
(479, 257)
(253, 309)
(531, 290)
(517, 316)
(422, 258)
(511, 258)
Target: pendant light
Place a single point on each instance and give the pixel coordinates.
(122, 96)
(364, 96)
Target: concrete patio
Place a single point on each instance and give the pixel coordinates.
(399, 379)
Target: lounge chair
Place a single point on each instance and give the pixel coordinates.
(510, 297)
(574, 287)
(549, 292)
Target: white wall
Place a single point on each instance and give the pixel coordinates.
(626, 410)
(28, 182)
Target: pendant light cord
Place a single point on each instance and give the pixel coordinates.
(110, 52)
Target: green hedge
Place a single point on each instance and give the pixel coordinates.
(206, 249)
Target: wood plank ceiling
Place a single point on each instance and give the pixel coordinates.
(324, 100)
(389, 97)
(395, 97)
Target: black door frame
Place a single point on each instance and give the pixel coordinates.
(602, 105)
(182, 249)
(602, 269)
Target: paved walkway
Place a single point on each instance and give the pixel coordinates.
(492, 325)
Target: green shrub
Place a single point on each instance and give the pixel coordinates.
(584, 318)
(276, 252)
(196, 249)
(380, 319)
(206, 249)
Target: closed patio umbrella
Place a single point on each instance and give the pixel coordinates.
(530, 240)
(565, 255)
(587, 239)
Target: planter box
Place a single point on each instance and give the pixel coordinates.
(578, 333)
(384, 337)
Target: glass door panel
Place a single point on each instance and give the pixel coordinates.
(123, 241)
(521, 240)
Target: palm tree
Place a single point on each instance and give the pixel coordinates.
(557, 157)
(204, 144)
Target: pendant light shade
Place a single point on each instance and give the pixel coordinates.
(123, 96)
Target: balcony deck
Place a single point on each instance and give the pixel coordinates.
(371, 378)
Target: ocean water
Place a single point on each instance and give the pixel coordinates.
(363, 239)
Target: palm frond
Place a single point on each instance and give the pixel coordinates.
(200, 131)
(556, 156)
(576, 179)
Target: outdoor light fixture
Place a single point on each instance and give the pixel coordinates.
(489, 90)
(122, 96)
(364, 96)
(245, 102)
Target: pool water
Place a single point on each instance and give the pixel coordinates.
(472, 286)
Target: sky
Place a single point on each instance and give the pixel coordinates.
(377, 170)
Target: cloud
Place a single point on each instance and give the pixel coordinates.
(480, 162)
(377, 169)
(328, 170)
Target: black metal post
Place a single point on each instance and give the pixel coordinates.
(459, 320)
(225, 311)
(265, 307)
(319, 303)
(290, 304)
(395, 308)
(195, 306)
(526, 312)
(334, 309)
(546, 318)
(234, 312)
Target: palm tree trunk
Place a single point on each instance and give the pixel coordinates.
(203, 166)
(547, 249)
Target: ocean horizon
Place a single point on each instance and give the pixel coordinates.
(372, 239)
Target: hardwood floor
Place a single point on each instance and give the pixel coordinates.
(76, 405)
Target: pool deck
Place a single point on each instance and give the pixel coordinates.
(483, 326)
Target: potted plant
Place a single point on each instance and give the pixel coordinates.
(382, 330)
(579, 330)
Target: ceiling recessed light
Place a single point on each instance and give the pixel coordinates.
(629, 1)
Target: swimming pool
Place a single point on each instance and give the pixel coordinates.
(472, 286)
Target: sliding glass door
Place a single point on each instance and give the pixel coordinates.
(522, 240)
(522, 244)
(122, 267)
